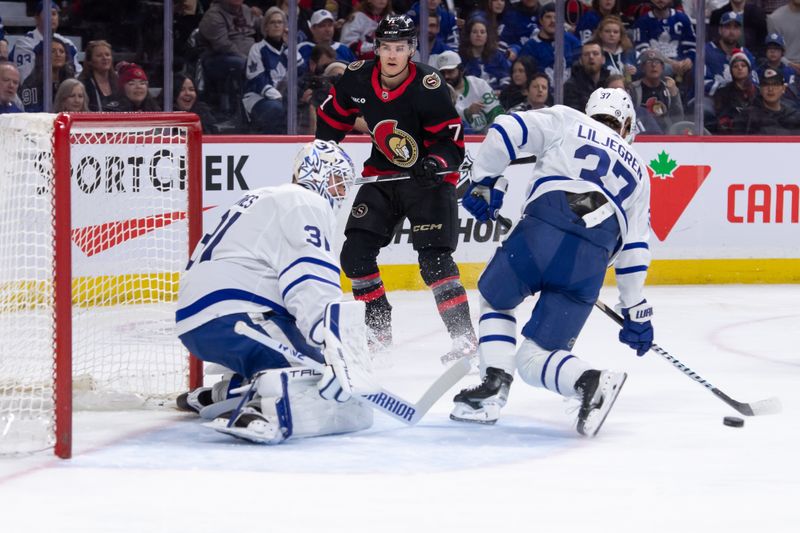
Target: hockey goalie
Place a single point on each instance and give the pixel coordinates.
(261, 296)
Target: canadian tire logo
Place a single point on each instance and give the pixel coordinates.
(672, 187)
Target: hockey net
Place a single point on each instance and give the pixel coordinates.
(97, 215)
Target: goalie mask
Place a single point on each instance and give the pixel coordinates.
(323, 167)
(614, 108)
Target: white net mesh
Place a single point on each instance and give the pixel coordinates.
(129, 243)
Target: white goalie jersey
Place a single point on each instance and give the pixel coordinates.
(575, 153)
(271, 251)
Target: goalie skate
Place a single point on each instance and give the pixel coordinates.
(482, 404)
(200, 398)
(597, 391)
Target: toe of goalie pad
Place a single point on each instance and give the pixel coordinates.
(608, 389)
(486, 414)
(249, 425)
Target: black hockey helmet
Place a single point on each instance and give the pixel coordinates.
(396, 28)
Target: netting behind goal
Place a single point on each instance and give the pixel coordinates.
(116, 193)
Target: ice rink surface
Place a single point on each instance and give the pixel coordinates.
(663, 462)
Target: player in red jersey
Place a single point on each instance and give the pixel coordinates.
(415, 128)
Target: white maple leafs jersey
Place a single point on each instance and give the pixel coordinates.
(575, 153)
(271, 251)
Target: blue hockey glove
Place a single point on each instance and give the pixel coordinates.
(637, 331)
(483, 199)
(426, 173)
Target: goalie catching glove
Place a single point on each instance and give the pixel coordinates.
(484, 198)
(637, 331)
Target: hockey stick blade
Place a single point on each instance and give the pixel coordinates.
(762, 407)
(385, 401)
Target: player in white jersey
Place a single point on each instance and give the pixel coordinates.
(269, 263)
(587, 207)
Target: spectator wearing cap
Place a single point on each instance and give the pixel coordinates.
(786, 21)
(773, 58)
(588, 75)
(719, 52)
(25, 49)
(480, 55)
(135, 88)
(321, 26)
(475, 100)
(541, 47)
(657, 94)
(358, 32)
(671, 33)
(228, 30)
(267, 68)
(733, 100)
(645, 122)
(770, 115)
(9, 84)
(754, 24)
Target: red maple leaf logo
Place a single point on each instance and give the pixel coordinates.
(95, 239)
(672, 188)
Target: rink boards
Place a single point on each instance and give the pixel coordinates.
(723, 210)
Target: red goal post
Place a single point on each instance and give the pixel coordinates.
(99, 214)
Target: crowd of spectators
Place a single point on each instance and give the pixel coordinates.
(231, 61)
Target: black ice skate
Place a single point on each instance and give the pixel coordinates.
(196, 400)
(597, 391)
(481, 404)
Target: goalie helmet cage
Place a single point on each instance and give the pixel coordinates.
(99, 213)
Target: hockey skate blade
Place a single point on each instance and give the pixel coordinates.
(267, 435)
(608, 404)
(487, 416)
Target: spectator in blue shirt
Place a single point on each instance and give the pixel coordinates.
(542, 46)
(481, 57)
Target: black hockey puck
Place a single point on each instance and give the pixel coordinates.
(733, 421)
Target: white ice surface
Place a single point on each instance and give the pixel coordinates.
(663, 461)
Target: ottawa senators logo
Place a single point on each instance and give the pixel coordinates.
(398, 146)
(431, 81)
(355, 65)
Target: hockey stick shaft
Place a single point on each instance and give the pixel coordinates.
(762, 407)
(398, 176)
(385, 401)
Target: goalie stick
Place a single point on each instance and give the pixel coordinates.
(361, 180)
(385, 401)
(761, 407)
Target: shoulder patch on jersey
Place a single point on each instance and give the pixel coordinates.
(431, 81)
(355, 65)
(359, 210)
